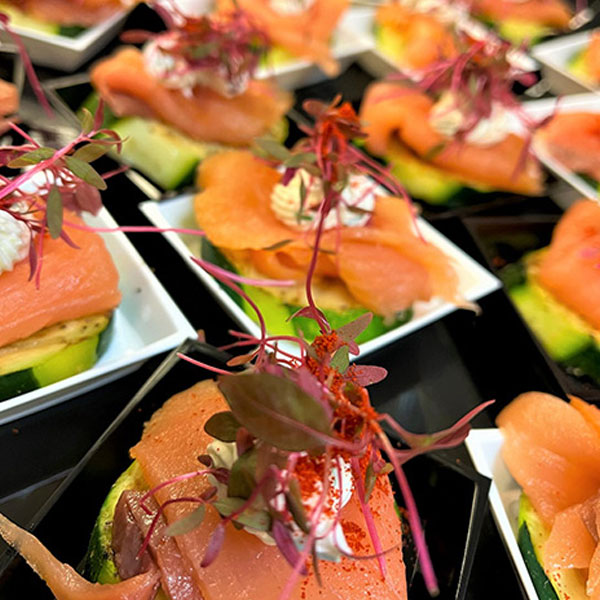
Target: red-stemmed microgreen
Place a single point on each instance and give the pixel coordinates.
(228, 46)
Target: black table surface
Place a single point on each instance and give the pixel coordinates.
(435, 376)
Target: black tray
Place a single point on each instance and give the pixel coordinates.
(505, 241)
(452, 497)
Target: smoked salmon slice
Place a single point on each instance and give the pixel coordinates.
(306, 32)
(395, 115)
(72, 12)
(554, 13)
(569, 267)
(123, 82)
(551, 451)
(574, 140)
(172, 441)
(422, 39)
(75, 282)
(385, 265)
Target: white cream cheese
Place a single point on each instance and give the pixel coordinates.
(175, 72)
(329, 534)
(447, 119)
(14, 241)
(357, 202)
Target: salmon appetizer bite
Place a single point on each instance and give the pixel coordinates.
(165, 97)
(371, 256)
(585, 64)
(573, 139)
(59, 285)
(551, 447)
(298, 29)
(83, 13)
(268, 483)
(524, 21)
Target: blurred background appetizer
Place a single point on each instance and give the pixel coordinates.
(585, 64)
(297, 29)
(189, 93)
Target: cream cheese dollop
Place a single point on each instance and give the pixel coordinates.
(290, 7)
(14, 241)
(174, 72)
(329, 532)
(354, 210)
(446, 118)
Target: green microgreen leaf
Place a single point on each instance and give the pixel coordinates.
(352, 330)
(188, 523)
(278, 245)
(303, 194)
(222, 426)
(54, 212)
(256, 519)
(90, 152)
(297, 160)
(276, 410)
(341, 359)
(32, 158)
(434, 151)
(294, 503)
(85, 172)
(273, 148)
(242, 478)
(86, 119)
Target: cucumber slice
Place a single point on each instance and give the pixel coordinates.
(161, 152)
(19, 19)
(557, 584)
(562, 333)
(518, 31)
(53, 354)
(98, 563)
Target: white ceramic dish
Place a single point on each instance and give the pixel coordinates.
(554, 57)
(67, 53)
(542, 108)
(147, 322)
(484, 447)
(475, 281)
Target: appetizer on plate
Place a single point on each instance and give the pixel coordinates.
(585, 64)
(58, 288)
(460, 126)
(297, 28)
(415, 35)
(189, 94)
(573, 139)
(265, 223)
(557, 291)
(524, 21)
(267, 483)
(61, 17)
(552, 449)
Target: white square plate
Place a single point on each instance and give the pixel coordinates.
(542, 108)
(67, 53)
(178, 213)
(146, 323)
(484, 447)
(554, 57)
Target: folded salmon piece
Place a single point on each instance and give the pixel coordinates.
(385, 265)
(72, 12)
(554, 13)
(245, 566)
(574, 140)
(422, 38)
(75, 282)
(305, 33)
(124, 83)
(395, 115)
(569, 268)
